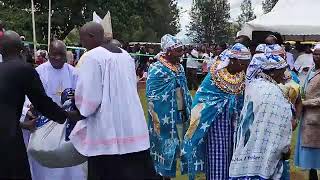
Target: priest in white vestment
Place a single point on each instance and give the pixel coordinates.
(114, 133)
(56, 76)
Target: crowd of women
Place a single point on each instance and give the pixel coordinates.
(240, 122)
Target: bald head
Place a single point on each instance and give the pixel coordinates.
(57, 44)
(11, 44)
(91, 35)
(57, 54)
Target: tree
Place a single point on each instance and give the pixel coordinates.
(267, 5)
(247, 13)
(132, 20)
(209, 21)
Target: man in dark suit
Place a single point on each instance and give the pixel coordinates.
(17, 80)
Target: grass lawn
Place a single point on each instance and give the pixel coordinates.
(296, 174)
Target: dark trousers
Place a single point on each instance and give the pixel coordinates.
(313, 175)
(135, 166)
(192, 78)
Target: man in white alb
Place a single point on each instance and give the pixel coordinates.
(114, 132)
(56, 76)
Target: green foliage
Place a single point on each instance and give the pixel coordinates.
(247, 13)
(267, 5)
(209, 21)
(132, 20)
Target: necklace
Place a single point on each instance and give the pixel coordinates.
(174, 68)
(229, 83)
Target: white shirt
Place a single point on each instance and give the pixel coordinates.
(106, 94)
(192, 62)
(55, 81)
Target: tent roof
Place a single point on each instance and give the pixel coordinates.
(288, 17)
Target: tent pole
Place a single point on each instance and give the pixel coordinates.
(34, 30)
(49, 26)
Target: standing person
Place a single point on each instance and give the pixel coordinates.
(169, 103)
(304, 63)
(114, 134)
(215, 110)
(70, 58)
(264, 131)
(18, 80)
(308, 144)
(56, 76)
(289, 56)
(192, 68)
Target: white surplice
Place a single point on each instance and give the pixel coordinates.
(55, 81)
(106, 93)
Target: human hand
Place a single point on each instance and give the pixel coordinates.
(74, 116)
(29, 124)
(286, 156)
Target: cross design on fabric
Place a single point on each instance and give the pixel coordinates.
(155, 154)
(157, 71)
(194, 152)
(172, 132)
(273, 114)
(279, 135)
(258, 167)
(275, 105)
(267, 132)
(199, 163)
(265, 141)
(183, 152)
(270, 123)
(263, 112)
(268, 95)
(282, 126)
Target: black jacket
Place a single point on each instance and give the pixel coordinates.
(17, 80)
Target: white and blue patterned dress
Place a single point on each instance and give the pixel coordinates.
(165, 119)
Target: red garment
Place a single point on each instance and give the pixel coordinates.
(40, 60)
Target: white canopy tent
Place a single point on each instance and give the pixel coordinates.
(294, 19)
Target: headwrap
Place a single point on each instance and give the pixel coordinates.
(169, 42)
(264, 61)
(276, 49)
(238, 51)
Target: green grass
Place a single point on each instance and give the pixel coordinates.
(296, 173)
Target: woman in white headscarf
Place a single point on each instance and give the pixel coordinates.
(264, 131)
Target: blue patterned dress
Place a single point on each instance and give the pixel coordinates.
(209, 140)
(165, 120)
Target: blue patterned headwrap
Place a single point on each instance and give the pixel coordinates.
(264, 61)
(238, 51)
(169, 42)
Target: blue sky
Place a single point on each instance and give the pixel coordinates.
(234, 11)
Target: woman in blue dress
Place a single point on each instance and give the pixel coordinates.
(208, 142)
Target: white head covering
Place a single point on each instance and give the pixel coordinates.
(169, 42)
(238, 51)
(264, 61)
(317, 46)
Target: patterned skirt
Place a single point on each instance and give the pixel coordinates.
(219, 148)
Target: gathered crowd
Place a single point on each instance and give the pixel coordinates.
(239, 125)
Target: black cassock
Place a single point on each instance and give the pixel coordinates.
(17, 80)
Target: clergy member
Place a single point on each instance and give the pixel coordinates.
(114, 135)
(56, 76)
(18, 79)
